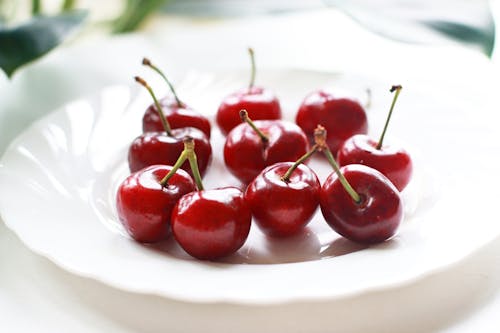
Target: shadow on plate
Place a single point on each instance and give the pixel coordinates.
(264, 250)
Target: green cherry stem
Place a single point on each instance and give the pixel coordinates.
(252, 75)
(244, 117)
(354, 195)
(180, 161)
(320, 140)
(193, 162)
(397, 89)
(302, 159)
(164, 120)
(187, 154)
(147, 62)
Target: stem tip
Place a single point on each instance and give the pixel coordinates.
(396, 87)
(320, 137)
(243, 115)
(188, 142)
(141, 81)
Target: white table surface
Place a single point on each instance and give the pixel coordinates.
(38, 296)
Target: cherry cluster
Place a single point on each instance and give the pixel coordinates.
(164, 194)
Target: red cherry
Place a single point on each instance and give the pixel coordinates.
(248, 150)
(160, 148)
(210, 224)
(259, 102)
(165, 147)
(283, 206)
(394, 162)
(177, 113)
(177, 116)
(342, 117)
(374, 218)
(144, 205)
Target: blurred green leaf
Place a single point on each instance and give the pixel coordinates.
(237, 8)
(36, 7)
(27, 42)
(68, 5)
(136, 11)
(466, 22)
(483, 38)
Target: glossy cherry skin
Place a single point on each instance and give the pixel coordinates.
(246, 155)
(375, 219)
(394, 162)
(282, 208)
(260, 104)
(177, 116)
(211, 224)
(341, 117)
(158, 148)
(145, 207)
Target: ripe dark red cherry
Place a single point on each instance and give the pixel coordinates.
(160, 148)
(210, 224)
(374, 218)
(251, 146)
(394, 162)
(342, 117)
(178, 116)
(144, 205)
(259, 102)
(165, 147)
(283, 206)
(177, 113)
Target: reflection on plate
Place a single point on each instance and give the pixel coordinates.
(59, 180)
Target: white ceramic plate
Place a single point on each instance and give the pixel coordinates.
(58, 181)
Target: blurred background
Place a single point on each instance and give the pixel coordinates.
(29, 29)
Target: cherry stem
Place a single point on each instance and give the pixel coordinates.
(302, 159)
(244, 117)
(396, 88)
(147, 62)
(180, 161)
(368, 103)
(164, 121)
(354, 195)
(187, 154)
(252, 60)
(320, 141)
(193, 162)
